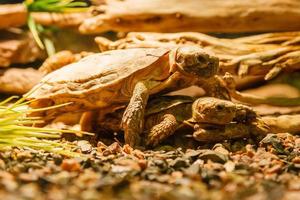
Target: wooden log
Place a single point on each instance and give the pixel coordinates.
(18, 81)
(12, 15)
(62, 20)
(226, 16)
(15, 15)
(17, 46)
(241, 56)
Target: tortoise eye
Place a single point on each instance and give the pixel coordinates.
(201, 59)
(180, 59)
(220, 107)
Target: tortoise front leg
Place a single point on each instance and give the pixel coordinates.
(133, 117)
(162, 130)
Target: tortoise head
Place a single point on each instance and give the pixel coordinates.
(213, 110)
(194, 61)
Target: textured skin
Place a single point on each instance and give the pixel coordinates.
(163, 116)
(160, 125)
(133, 117)
(166, 127)
(215, 87)
(217, 111)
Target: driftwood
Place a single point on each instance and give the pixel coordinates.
(229, 83)
(194, 15)
(60, 19)
(12, 15)
(17, 46)
(282, 38)
(265, 54)
(283, 123)
(18, 81)
(168, 16)
(15, 15)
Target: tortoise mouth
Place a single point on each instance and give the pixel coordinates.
(203, 70)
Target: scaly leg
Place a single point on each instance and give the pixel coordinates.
(164, 129)
(90, 119)
(87, 121)
(133, 117)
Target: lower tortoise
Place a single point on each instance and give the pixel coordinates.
(211, 118)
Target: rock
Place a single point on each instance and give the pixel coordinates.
(179, 163)
(213, 156)
(85, 146)
(70, 165)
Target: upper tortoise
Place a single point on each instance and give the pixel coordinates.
(112, 79)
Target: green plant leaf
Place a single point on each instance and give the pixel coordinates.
(33, 28)
(16, 130)
(49, 6)
(55, 6)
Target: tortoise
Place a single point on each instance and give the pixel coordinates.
(112, 79)
(216, 120)
(213, 119)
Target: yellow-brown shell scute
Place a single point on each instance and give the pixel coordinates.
(162, 103)
(96, 72)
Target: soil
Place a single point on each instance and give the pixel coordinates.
(268, 169)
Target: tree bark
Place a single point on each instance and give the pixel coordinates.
(12, 15)
(226, 16)
(260, 55)
(18, 47)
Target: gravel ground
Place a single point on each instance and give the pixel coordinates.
(269, 169)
